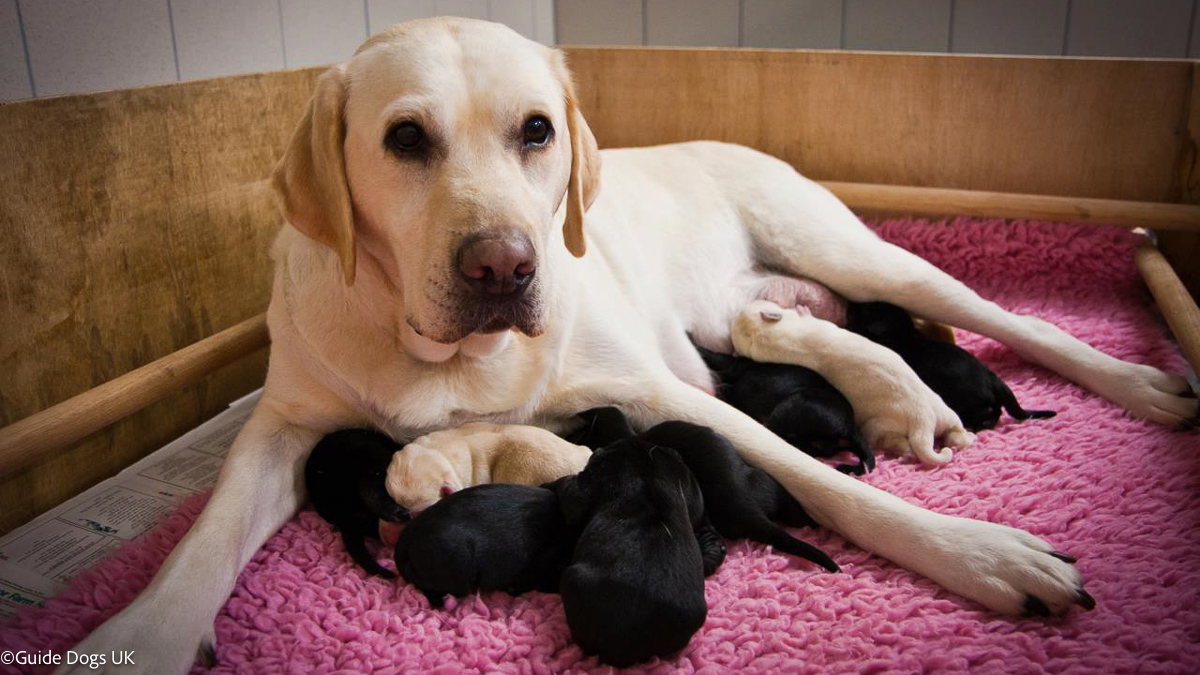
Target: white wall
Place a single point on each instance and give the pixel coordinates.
(50, 47)
(1134, 28)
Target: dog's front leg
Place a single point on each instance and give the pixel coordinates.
(171, 623)
(1006, 569)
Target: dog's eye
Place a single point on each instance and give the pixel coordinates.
(406, 137)
(537, 131)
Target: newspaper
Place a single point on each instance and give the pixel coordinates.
(38, 558)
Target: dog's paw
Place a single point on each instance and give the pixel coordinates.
(1005, 569)
(156, 646)
(1153, 395)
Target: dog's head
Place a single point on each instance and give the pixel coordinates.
(629, 473)
(441, 153)
(418, 477)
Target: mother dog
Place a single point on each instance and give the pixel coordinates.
(434, 273)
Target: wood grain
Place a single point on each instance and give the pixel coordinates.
(1103, 128)
(134, 223)
(62, 425)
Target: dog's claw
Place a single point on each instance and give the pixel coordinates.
(1035, 607)
(1085, 600)
(1064, 557)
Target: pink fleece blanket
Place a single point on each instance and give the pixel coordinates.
(1121, 494)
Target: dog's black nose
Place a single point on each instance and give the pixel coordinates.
(498, 265)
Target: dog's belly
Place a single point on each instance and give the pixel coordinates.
(671, 233)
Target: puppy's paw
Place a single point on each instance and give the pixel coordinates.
(1006, 569)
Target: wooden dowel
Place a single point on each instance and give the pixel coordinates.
(946, 202)
(66, 423)
(1173, 299)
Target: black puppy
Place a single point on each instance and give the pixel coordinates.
(345, 478)
(635, 586)
(496, 537)
(740, 500)
(970, 388)
(795, 403)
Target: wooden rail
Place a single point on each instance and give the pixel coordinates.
(942, 201)
(68, 422)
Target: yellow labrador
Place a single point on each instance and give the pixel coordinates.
(436, 269)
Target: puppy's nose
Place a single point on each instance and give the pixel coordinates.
(497, 265)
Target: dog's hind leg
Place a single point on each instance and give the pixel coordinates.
(261, 485)
(801, 228)
(995, 565)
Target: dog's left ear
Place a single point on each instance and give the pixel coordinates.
(584, 183)
(310, 178)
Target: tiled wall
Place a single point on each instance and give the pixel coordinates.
(50, 47)
(1137, 28)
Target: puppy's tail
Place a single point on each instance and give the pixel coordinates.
(1009, 401)
(770, 533)
(357, 549)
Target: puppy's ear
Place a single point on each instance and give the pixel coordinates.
(574, 500)
(584, 183)
(310, 178)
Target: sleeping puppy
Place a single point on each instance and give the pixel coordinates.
(635, 586)
(344, 476)
(510, 538)
(741, 501)
(795, 402)
(444, 462)
(970, 388)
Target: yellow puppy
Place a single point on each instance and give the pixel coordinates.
(443, 462)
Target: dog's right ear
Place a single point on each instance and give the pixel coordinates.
(574, 500)
(310, 178)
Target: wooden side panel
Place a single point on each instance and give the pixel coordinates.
(1071, 127)
(133, 223)
(1182, 249)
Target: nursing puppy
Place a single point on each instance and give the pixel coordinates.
(444, 462)
(796, 403)
(894, 408)
(740, 500)
(970, 388)
(510, 538)
(344, 476)
(635, 586)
